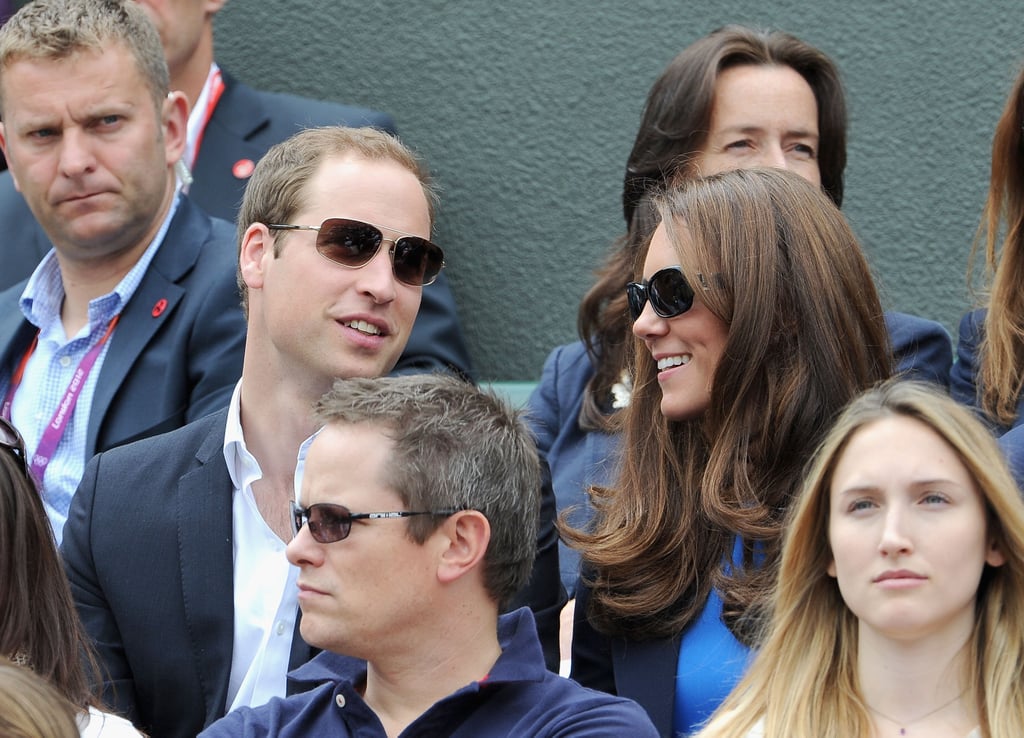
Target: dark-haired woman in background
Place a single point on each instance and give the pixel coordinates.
(736, 98)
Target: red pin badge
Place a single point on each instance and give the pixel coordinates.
(159, 307)
(243, 168)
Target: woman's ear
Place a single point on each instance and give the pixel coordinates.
(994, 556)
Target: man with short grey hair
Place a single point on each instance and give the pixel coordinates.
(415, 525)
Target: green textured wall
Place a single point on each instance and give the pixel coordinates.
(525, 112)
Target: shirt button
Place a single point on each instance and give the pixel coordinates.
(280, 628)
(65, 361)
(340, 700)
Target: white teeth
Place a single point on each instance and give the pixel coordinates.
(363, 327)
(670, 361)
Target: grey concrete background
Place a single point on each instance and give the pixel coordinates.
(526, 111)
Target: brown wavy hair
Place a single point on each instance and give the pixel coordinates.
(806, 334)
(673, 128)
(1001, 354)
(38, 621)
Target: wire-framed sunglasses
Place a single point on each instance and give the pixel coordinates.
(330, 523)
(667, 290)
(353, 243)
(11, 440)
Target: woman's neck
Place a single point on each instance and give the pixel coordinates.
(917, 687)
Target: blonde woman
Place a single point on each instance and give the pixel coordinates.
(901, 585)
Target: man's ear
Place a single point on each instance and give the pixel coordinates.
(257, 246)
(467, 534)
(175, 124)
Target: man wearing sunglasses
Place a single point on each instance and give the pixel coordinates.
(175, 546)
(130, 325)
(415, 525)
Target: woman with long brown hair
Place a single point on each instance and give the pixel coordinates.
(39, 627)
(989, 372)
(756, 319)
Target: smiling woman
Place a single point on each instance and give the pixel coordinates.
(738, 369)
(909, 534)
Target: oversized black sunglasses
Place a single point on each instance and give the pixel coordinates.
(353, 243)
(668, 291)
(329, 523)
(11, 440)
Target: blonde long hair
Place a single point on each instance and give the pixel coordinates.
(804, 682)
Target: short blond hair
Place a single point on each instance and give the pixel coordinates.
(57, 29)
(277, 188)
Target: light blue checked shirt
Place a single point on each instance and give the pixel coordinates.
(52, 365)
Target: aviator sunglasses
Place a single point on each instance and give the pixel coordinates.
(353, 243)
(329, 523)
(668, 291)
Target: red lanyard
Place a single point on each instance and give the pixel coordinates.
(216, 90)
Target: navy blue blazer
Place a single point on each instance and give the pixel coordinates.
(161, 371)
(579, 459)
(147, 549)
(245, 123)
(964, 385)
(148, 552)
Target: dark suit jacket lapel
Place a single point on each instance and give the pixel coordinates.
(203, 502)
(15, 332)
(140, 320)
(240, 114)
(645, 671)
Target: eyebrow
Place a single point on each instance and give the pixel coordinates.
(858, 489)
(914, 485)
(798, 132)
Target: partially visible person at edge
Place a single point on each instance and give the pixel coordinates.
(989, 371)
(733, 99)
(39, 628)
(334, 251)
(31, 708)
(900, 595)
(405, 600)
(740, 367)
(230, 127)
(131, 325)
